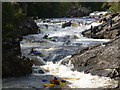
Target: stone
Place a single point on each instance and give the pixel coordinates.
(67, 24)
(13, 64)
(102, 59)
(41, 71)
(104, 31)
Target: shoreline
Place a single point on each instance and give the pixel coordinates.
(104, 31)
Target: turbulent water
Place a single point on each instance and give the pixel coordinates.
(56, 50)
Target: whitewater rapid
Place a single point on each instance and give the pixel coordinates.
(57, 50)
(78, 79)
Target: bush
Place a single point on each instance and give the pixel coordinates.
(115, 7)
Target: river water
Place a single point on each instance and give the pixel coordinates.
(54, 51)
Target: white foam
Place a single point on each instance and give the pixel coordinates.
(78, 79)
(37, 60)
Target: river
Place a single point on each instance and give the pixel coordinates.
(54, 51)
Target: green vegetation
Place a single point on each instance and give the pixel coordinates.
(14, 13)
(114, 7)
(49, 9)
(94, 6)
(59, 9)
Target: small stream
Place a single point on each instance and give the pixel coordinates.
(54, 51)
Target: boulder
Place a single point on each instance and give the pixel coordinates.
(28, 26)
(66, 24)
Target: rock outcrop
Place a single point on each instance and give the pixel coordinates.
(13, 64)
(28, 26)
(102, 60)
(104, 31)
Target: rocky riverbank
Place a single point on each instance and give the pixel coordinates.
(105, 31)
(102, 59)
(13, 64)
(99, 58)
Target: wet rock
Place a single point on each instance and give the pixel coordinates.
(67, 24)
(102, 60)
(41, 71)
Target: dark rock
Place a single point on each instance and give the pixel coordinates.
(13, 64)
(44, 80)
(41, 72)
(28, 27)
(67, 24)
(79, 12)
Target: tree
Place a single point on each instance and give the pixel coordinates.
(114, 7)
(12, 15)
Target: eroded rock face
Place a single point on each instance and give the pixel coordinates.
(102, 60)
(13, 64)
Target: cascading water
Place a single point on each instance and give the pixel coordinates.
(58, 50)
(78, 79)
(63, 42)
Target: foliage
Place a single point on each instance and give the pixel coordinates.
(12, 15)
(114, 7)
(92, 5)
(106, 5)
(50, 9)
